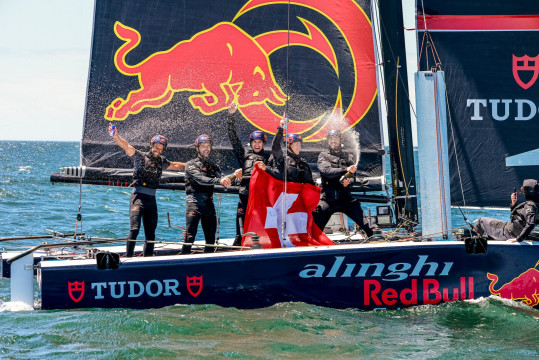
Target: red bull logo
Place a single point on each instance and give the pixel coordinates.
(524, 287)
(224, 64)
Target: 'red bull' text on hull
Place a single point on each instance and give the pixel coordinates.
(365, 277)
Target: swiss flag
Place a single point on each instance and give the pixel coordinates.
(265, 209)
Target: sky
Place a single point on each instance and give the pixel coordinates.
(44, 59)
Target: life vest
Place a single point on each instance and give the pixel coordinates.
(248, 165)
(518, 214)
(298, 170)
(149, 174)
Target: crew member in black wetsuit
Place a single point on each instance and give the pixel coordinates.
(146, 176)
(201, 175)
(297, 169)
(247, 159)
(336, 196)
(522, 220)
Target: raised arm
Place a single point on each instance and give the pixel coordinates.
(237, 148)
(276, 150)
(129, 150)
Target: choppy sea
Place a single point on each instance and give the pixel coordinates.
(489, 328)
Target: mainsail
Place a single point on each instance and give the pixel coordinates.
(488, 50)
(171, 68)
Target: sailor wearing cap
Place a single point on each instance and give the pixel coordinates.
(334, 166)
(201, 175)
(297, 168)
(247, 158)
(147, 170)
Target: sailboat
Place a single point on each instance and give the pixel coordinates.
(165, 68)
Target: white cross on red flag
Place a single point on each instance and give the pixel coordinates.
(265, 210)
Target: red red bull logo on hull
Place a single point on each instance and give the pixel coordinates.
(224, 64)
(524, 287)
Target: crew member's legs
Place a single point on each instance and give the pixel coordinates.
(209, 226)
(135, 213)
(352, 208)
(192, 216)
(322, 214)
(493, 228)
(240, 218)
(149, 220)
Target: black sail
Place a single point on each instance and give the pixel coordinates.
(171, 68)
(488, 50)
(398, 108)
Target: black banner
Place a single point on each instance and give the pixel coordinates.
(490, 54)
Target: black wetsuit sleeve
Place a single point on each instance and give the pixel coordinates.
(324, 166)
(166, 163)
(529, 215)
(276, 150)
(192, 171)
(274, 169)
(237, 148)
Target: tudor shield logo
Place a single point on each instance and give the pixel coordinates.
(194, 285)
(527, 66)
(76, 290)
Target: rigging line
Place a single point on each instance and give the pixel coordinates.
(435, 53)
(424, 17)
(218, 216)
(397, 127)
(285, 129)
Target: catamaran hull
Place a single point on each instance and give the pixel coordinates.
(365, 277)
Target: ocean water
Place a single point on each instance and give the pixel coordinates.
(488, 328)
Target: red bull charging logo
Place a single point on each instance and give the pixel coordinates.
(524, 287)
(224, 64)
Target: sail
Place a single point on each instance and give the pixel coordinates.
(172, 68)
(488, 50)
(399, 125)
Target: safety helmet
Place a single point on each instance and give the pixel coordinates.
(334, 133)
(159, 139)
(204, 138)
(292, 138)
(258, 135)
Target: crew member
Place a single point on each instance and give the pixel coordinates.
(297, 168)
(522, 220)
(247, 159)
(201, 175)
(146, 176)
(335, 195)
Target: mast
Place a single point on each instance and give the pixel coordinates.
(395, 84)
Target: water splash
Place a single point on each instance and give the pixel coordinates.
(350, 138)
(13, 306)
